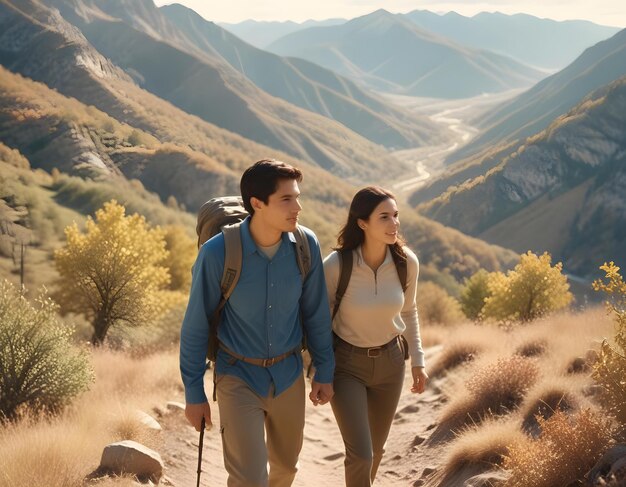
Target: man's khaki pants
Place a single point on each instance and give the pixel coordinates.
(245, 419)
(367, 391)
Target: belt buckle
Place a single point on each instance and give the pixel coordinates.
(268, 362)
(373, 352)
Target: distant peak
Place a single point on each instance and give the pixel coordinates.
(381, 12)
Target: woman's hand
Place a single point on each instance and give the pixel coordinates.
(420, 378)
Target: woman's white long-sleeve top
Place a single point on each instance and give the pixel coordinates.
(374, 309)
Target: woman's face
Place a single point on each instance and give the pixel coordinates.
(383, 224)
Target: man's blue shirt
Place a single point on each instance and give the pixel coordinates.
(261, 318)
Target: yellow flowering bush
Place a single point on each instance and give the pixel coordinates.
(610, 369)
(532, 289)
(114, 272)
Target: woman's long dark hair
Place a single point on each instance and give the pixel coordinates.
(362, 206)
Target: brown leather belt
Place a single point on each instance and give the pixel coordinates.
(260, 362)
(371, 352)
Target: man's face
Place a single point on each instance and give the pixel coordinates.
(282, 208)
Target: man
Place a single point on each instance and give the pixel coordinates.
(261, 320)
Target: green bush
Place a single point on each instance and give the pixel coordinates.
(474, 293)
(40, 369)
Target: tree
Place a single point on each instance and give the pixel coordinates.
(40, 369)
(182, 252)
(610, 370)
(114, 272)
(474, 293)
(532, 289)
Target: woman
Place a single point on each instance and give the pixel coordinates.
(375, 314)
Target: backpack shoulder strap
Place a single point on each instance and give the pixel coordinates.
(232, 259)
(400, 262)
(345, 272)
(303, 252)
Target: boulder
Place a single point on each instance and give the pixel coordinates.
(132, 458)
(610, 469)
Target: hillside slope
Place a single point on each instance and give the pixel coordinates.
(563, 190)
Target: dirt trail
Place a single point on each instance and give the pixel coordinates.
(321, 460)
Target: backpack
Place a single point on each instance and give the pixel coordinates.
(345, 272)
(225, 214)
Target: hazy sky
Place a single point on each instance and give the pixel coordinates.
(607, 12)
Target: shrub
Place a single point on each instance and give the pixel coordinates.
(501, 385)
(532, 289)
(436, 306)
(610, 370)
(474, 293)
(113, 272)
(565, 451)
(39, 368)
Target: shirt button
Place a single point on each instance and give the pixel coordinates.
(269, 307)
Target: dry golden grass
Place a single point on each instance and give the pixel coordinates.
(467, 342)
(60, 452)
(478, 449)
(566, 450)
(551, 394)
(501, 373)
(500, 380)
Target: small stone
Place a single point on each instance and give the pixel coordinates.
(428, 471)
(148, 421)
(418, 440)
(174, 406)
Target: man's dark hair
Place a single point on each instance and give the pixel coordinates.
(261, 180)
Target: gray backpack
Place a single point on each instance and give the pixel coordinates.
(225, 214)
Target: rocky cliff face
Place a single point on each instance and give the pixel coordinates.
(587, 145)
(27, 26)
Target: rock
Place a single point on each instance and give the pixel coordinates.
(428, 471)
(610, 468)
(418, 483)
(578, 366)
(487, 479)
(134, 458)
(173, 406)
(418, 440)
(148, 421)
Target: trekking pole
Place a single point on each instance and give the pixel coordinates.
(202, 425)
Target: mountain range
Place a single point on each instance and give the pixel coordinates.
(113, 91)
(535, 109)
(389, 53)
(262, 33)
(542, 43)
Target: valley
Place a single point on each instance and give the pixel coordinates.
(452, 117)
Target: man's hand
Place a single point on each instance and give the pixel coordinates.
(420, 378)
(195, 412)
(320, 393)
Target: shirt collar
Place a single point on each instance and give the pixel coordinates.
(360, 261)
(249, 246)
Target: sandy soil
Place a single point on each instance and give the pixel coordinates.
(321, 460)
